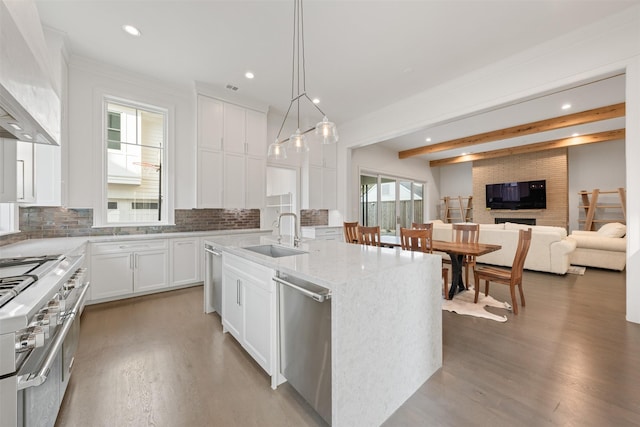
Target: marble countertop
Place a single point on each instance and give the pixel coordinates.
(326, 263)
(69, 245)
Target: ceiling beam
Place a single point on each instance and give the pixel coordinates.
(589, 116)
(610, 135)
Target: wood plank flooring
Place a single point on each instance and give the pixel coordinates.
(568, 358)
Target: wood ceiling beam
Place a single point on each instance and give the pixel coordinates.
(610, 135)
(589, 116)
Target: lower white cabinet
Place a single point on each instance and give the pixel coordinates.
(248, 308)
(324, 233)
(185, 261)
(126, 268)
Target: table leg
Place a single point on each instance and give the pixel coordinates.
(457, 284)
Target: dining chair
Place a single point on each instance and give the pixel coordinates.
(512, 277)
(350, 232)
(369, 235)
(465, 233)
(419, 239)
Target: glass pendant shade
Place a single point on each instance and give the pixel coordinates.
(277, 151)
(298, 142)
(327, 131)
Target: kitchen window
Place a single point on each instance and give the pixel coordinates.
(135, 156)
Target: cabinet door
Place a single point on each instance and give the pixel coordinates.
(231, 303)
(256, 182)
(111, 275)
(150, 270)
(234, 129)
(210, 123)
(315, 188)
(329, 188)
(257, 323)
(25, 189)
(256, 128)
(8, 172)
(210, 178)
(185, 265)
(235, 183)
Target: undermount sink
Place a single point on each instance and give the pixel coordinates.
(275, 251)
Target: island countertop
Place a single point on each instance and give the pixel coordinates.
(386, 319)
(327, 263)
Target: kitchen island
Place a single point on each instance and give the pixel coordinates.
(386, 321)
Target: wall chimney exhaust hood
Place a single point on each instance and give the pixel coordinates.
(30, 108)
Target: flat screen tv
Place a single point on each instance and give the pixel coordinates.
(517, 195)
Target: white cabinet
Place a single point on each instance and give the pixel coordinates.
(8, 173)
(25, 172)
(321, 178)
(126, 268)
(248, 308)
(185, 261)
(323, 233)
(232, 149)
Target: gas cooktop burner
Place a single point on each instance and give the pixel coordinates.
(10, 262)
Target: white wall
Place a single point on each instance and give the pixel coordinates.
(456, 180)
(592, 166)
(604, 48)
(384, 161)
(86, 81)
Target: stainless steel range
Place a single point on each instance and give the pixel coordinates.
(41, 299)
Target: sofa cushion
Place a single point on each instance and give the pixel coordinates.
(536, 228)
(596, 241)
(613, 229)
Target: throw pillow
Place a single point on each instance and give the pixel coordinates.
(613, 229)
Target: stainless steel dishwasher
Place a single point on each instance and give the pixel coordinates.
(212, 280)
(305, 340)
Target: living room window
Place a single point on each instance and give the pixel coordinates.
(135, 153)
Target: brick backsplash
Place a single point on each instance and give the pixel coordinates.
(310, 217)
(45, 222)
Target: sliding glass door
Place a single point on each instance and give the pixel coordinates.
(390, 202)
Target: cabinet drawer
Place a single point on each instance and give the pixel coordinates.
(128, 246)
(332, 231)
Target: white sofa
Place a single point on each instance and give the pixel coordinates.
(605, 248)
(549, 251)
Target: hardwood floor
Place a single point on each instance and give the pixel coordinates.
(568, 358)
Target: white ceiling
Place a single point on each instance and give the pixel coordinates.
(360, 55)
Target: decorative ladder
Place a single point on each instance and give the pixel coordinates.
(590, 205)
(465, 212)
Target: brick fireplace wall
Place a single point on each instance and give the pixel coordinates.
(551, 166)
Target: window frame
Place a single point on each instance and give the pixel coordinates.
(100, 217)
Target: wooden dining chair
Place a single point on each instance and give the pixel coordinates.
(350, 232)
(419, 239)
(466, 233)
(369, 235)
(512, 277)
(419, 226)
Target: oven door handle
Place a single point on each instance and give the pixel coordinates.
(40, 375)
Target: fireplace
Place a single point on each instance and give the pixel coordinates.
(525, 221)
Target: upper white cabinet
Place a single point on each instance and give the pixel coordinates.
(232, 145)
(320, 180)
(8, 173)
(25, 176)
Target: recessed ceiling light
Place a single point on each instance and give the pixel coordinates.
(27, 136)
(130, 29)
(575, 134)
(428, 139)
(566, 106)
(316, 101)
(466, 153)
(15, 126)
(249, 75)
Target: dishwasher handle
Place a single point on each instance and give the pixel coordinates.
(306, 292)
(212, 251)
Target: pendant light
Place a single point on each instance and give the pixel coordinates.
(325, 129)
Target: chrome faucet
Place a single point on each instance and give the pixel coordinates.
(296, 238)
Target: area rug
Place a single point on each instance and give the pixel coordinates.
(576, 269)
(463, 303)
